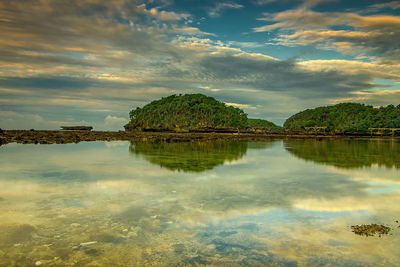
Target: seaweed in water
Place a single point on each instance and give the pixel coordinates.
(370, 229)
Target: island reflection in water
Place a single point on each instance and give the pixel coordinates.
(348, 153)
(192, 156)
(95, 204)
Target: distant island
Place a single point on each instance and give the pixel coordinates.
(346, 118)
(200, 113)
(195, 113)
(169, 119)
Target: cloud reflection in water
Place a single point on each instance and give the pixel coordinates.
(265, 207)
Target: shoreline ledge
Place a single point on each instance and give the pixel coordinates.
(66, 137)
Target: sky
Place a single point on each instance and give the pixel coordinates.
(89, 62)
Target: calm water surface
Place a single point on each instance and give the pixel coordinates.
(282, 203)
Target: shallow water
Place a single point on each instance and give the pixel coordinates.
(283, 203)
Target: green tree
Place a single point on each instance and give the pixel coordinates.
(346, 118)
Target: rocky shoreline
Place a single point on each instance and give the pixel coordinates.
(66, 137)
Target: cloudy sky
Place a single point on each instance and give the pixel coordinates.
(67, 62)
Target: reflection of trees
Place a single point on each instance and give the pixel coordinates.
(260, 145)
(347, 153)
(190, 157)
(262, 182)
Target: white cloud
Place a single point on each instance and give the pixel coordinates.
(391, 5)
(15, 120)
(382, 97)
(307, 3)
(373, 36)
(219, 7)
(162, 14)
(103, 68)
(189, 31)
(114, 122)
(265, 2)
(241, 106)
(246, 44)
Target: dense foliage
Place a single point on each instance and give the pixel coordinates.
(190, 111)
(346, 117)
(264, 124)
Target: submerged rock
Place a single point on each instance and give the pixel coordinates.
(92, 251)
(16, 234)
(179, 248)
(108, 238)
(370, 229)
(87, 243)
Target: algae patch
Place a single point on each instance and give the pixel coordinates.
(370, 229)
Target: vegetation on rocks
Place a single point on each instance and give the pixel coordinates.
(190, 112)
(346, 118)
(186, 112)
(264, 124)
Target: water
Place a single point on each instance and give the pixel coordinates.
(282, 203)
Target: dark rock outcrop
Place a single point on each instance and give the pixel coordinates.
(77, 128)
(65, 137)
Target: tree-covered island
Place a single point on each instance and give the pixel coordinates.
(194, 112)
(346, 118)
